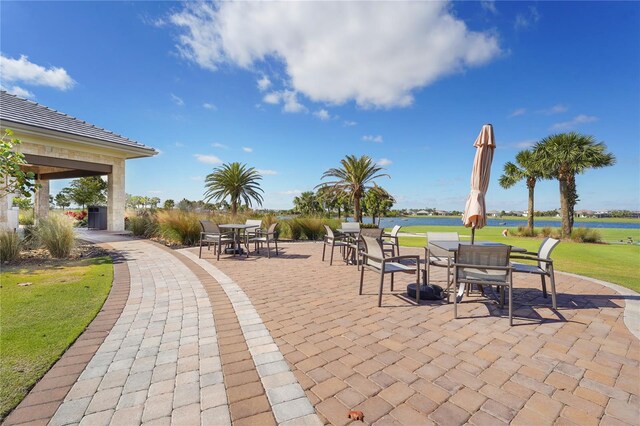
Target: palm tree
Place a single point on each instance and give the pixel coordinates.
(564, 155)
(377, 202)
(527, 167)
(353, 178)
(236, 181)
(307, 203)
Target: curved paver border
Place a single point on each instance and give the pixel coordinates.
(631, 304)
(44, 399)
(287, 398)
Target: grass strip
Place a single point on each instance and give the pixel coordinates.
(41, 319)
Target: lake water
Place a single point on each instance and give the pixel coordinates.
(388, 222)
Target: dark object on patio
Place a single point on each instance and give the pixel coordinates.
(544, 268)
(484, 266)
(330, 239)
(356, 415)
(211, 234)
(427, 291)
(374, 260)
(97, 217)
(264, 237)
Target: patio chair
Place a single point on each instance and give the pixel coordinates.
(374, 260)
(211, 234)
(544, 266)
(356, 246)
(264, 237)
(350, 226)
(391, 245)
(330, 239)
(483, 265)
(435, 256)
(255, 225)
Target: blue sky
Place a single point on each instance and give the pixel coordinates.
(291, 88)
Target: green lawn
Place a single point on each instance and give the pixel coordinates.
(616, 263)
(38, 322)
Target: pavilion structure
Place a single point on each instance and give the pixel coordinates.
(58, 146)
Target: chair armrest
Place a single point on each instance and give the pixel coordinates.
(539, 259)
(407, 256)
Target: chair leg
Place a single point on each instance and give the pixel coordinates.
(324, 247)
(268, 250)
(200, 254)
(392, 275)
(276, 243)
(380, 292)
(457, 299)
(544, 286)
(361, 281)
(553, 287)
(219, 246)
(510, 305)
(331, 259)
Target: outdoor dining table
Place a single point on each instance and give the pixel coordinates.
(352, 234)
(236, 228)
(452, 247)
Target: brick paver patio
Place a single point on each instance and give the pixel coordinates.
(288, 340)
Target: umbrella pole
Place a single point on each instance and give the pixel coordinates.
(473, 233)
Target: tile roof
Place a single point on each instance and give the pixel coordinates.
(23, 111)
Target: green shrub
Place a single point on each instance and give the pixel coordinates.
(143, 226)
(55, 232)
(179, 226)
(294, 229)
(524, 231)
(586, 235)
(311, 227)
(10, 245)
(550, 232)
(369, 226)
(25, 217)
(30, 237)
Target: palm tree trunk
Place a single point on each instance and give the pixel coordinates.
(234, 207)
(531, 185)
(357, 213)
(564, 208)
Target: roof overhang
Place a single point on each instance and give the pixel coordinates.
(125, 151)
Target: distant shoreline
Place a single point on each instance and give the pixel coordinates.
(540, 218)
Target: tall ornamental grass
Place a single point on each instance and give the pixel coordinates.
(179, 226)
(586, 235)
(10, 245)
(55, 232)
(143, 226)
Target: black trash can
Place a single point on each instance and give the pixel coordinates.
(97, 217)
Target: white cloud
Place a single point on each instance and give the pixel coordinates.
(291, 192)
(526, 20)
(208, 159)
(372, 138)
(26, 72)
(517, 112)
(523, 144)
(291, 104)
(267, 172)
(376, 54)
(271, 98)
(556, 109)
(219, 145)
(177, 100)
(247, 149)
(322, 114)
(489, 6)
(197, 178)
(19, 91)
(179, 145)
(384, 162)
(579, 119)
(349, 123)
(264, 83)
(207, 105)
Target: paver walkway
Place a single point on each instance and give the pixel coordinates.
(288, 340)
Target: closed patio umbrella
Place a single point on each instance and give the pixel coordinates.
(475, 211)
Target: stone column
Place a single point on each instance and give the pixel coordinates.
(42, 200)
(116, 197)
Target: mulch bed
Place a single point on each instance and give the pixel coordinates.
(41, 256)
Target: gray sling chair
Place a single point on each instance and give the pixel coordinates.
(544, 266)
(356, 246)
(332, 240)
(373, 259)
(483, 265)
(391, 245)
(436, 256)
(211, 234)
(255, 225)
(263, 237)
